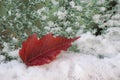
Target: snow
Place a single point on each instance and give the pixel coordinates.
(2, 58)
(83, 65)
(107, 45)
(100, 2)
(113, 23)
(54, 2)
(69, 29)
(72, 4)
(61, 14)
(102, 9)
(96, 18)
(79, 8)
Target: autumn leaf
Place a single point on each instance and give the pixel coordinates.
(41, 51)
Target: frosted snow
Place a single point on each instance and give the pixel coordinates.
(85, 65)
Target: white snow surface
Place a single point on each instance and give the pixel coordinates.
(84, 65)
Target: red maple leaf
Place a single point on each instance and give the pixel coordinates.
(41, 51)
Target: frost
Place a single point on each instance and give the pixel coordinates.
(113, 23)
(83, 65)
(113, 34)
(50, 24)
(54, 2)
(47, 28)
(43, 9)
(13, 53)
(9, 12)
(69, 29)
(107, 45)
(6, 47)
(2, 58)
(79, 8)
(96, 18)
(67, 67)
(72, 3)
(18, 15)
(15, 40)
(66, 23)
(83, 1)
(39, 11)
(102, 9)
(99, 56)
(61, 14)
(44, 17)
(117, 17)
(100, 2)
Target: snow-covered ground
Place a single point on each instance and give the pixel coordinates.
(98, 59)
